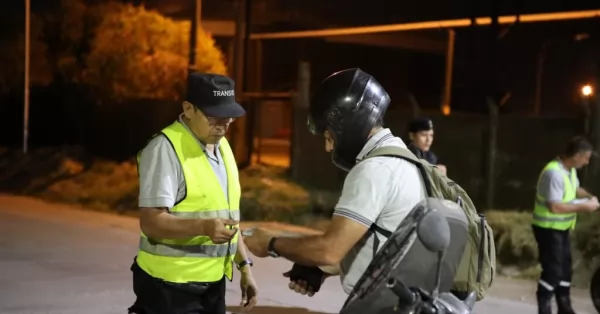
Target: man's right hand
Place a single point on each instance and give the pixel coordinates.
(302, 286)
(216, 229)
(592, 204)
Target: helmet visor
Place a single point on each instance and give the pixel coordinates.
(315, 126)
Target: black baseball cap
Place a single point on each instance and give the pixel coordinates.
(420, 124)
(214, 95)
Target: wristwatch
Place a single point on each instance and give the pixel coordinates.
(271, 248)
(244, 263)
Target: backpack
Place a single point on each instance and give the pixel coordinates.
(405, 258)
(477, 268)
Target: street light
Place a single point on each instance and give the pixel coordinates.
(587, 90)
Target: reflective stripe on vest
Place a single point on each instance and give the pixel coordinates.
(542, 216)
(197, 250)
(195, 259)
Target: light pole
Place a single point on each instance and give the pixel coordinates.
(26, 75)
(587, 91)
(196, 22)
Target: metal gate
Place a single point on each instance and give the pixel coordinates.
(270, 127)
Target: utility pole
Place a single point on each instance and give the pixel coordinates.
(447, 92)
(539, 76)
(26, 75)
(196, 22)
(492, 104)
(594, 167)
(241, 142)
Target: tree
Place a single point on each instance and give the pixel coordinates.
(66, 32)
(12, 58)
(137, 53)
(118, 50)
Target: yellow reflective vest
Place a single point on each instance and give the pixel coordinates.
(195, 259)
(543, 217)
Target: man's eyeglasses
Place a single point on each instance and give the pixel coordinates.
(219, 121)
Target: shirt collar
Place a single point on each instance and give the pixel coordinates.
(202, 145)
(562, 165)
(373, 142)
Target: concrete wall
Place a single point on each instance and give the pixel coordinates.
(525, 145)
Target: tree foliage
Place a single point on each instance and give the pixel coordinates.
(119, 50)
(140, 53)
(66, 32)
(12, 58)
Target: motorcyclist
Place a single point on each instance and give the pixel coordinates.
(347, 109)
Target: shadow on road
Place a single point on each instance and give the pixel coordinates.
(275, 310)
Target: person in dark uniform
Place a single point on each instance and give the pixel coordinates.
(420, 131)
(559, 198)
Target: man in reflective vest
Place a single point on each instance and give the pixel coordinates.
(189, 209)
(559, 198)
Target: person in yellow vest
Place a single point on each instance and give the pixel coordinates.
(189, 209)
(559, 198)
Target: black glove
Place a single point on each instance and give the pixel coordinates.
(311, 274)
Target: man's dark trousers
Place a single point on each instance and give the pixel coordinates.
(554, 250)
(155, 296)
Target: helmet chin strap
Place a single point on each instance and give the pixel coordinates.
(347, 160)
(343, 161)
(341, 164)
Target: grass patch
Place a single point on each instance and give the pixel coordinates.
(269, 194)
(517, 250)
(515, 244)
(67, 174)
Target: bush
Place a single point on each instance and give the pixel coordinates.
(105, 186)
(35, 171)
(587, 238)
(67, 174)
(268, 194)
(516, 247)
(515, 244)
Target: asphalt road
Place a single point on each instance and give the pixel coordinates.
(56, 259)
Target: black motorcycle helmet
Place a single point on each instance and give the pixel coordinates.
(349, 104)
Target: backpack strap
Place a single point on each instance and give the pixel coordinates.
(396, 151)
(374, 228)
(403, 153)
(384, 232)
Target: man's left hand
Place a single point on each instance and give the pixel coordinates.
(249, 291)
(258, 242)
